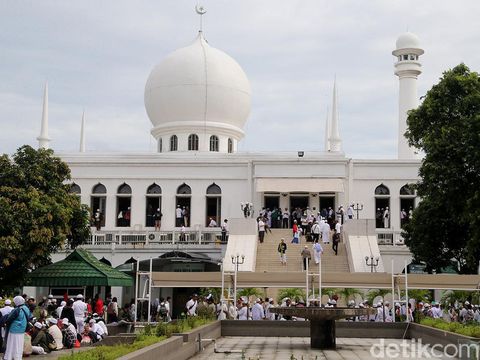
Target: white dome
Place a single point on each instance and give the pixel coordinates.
(196, 85)
(408, 40)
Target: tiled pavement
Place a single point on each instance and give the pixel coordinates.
(270, 348)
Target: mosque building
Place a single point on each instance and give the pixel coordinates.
(198, 99)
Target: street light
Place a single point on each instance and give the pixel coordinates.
(236, 262)
(358, 207)
(373, 262)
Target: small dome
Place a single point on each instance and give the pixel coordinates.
(408, 40)
(198, 84)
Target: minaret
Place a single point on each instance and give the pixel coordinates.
(327, 133)
(82, 134)
(43, 139)
(334, 138)
(407, 68)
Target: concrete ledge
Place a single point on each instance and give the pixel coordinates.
(302, 329)
(446, 339)
(179, 346)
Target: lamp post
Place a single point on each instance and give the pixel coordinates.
(236, 262)
(373, 262)
(358, 207)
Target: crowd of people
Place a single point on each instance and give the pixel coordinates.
(31, 328)
(260, 309)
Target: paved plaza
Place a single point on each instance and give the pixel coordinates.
(284, 348)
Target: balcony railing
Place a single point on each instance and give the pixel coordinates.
(389, 237)
(152, 238)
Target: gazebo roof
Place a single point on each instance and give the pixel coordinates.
(80, 268)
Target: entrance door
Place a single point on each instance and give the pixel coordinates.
(327, 201)
(99, 202)
(299, 201)
(213, 210)
(153, 203)
(184, 203)
(271, 202)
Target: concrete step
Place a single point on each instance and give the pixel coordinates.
(268, 258)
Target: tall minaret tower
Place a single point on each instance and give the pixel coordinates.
(407, 68)
(334, 139)
(43, 139)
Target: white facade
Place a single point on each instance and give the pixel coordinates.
(198, 93)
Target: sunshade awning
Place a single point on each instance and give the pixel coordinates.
(80, 268)
(299, 185)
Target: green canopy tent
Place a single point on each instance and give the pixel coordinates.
(80, 268)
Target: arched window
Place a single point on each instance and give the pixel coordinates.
(154, 189)
(173, 143)
(182, 208)
(124, 189)
(230, 146)
(193, 142)
(213, 143)
(98, 203)
(214, 189)
(99, 189)
(382, 207)
(159, 145)
(407, 189)
(213, 206)
(75, 189)
(382, 190)
(153, 203)
(124, 203)
(184, 189)
(407, 203)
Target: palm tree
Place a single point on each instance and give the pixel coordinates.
(453, 296)
(373, 293)
(349, 293)
(249, 292)
(295, 294)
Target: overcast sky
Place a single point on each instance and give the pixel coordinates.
(97, 55)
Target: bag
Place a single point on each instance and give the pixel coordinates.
(52, 345)
(162, 311)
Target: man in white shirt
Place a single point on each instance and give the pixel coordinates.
(285, 217)
(257, 310)
(79, 311)
(261, 230)
(243, 311)
(325, 228)
(316, 231)
(7, 309)
(224, 231)
(191, 305)
(338, 228)
(350, 212)
(317, 251)
(212, 223)
(178, 216)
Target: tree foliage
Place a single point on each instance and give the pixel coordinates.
(38, 214)
(446, 127)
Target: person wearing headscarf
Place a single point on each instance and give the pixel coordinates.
(17, 323)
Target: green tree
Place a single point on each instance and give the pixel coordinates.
(38, 213)
(446, 127)
(249, 292)
(374, 293)
(295, 294)
(349, 293)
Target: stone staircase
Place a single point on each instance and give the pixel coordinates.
(268, 259)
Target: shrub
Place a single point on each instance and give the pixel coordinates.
(470, 329)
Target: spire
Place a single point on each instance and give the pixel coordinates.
(82, 134)
(334, 139)
(43, 139)
(200, 10)
(327, 132)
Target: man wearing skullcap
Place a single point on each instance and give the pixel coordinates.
(17, 319)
